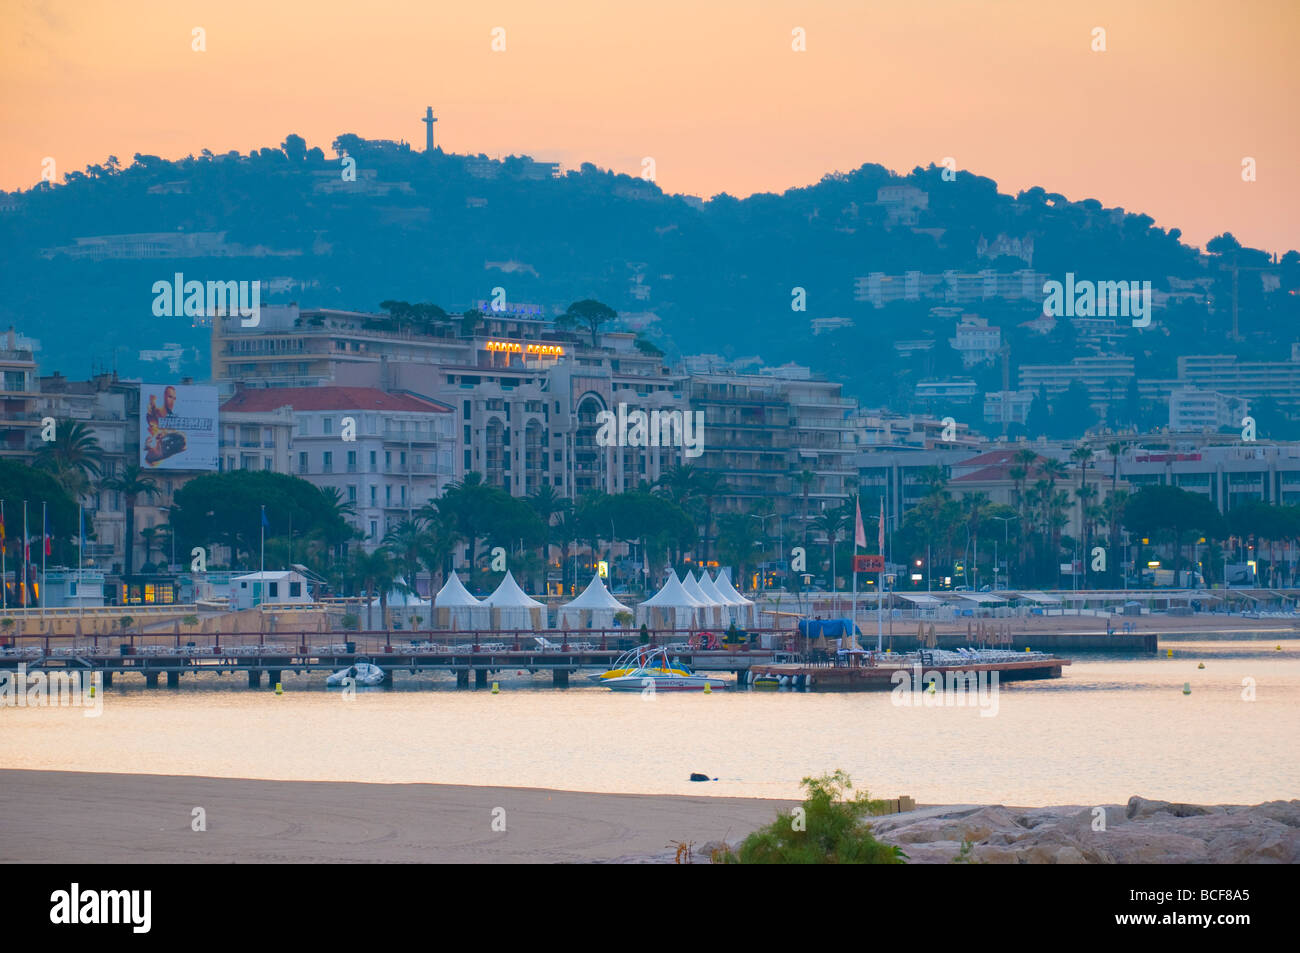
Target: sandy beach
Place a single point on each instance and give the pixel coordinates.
(134, 818)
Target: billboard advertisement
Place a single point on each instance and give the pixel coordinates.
(178, 427)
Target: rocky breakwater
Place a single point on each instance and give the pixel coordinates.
(1141, 832)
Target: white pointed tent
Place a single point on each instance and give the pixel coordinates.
(403, 605)
(594, 609)
(672, 607)
(711, 611)
(727, 610)
(456, 609)
(745, 609)
(512, 608)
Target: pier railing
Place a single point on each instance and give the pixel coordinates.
(381, 643)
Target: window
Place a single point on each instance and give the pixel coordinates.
(372, 461)
(273, 589)
(327, 462)
(302, 463)
(266, 463)
(295, 590)
(327, 425)
(352, 461)
(352, 493)
(372, 496)
(388, 494)
(388, 460)
(374, 527)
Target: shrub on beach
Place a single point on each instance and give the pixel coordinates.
(831, 830)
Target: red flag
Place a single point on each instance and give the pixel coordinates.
(47, 544)
(859, 534)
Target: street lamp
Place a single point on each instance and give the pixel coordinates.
(1006, 526)
(763, 520)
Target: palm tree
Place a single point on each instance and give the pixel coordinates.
(73, 456)
(548, 504)
(410, 543)
(375, 572)
(708, 486)
(132, 484)
(831, 523)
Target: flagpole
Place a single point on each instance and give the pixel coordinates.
(26, 552)
(4, 573)
(853, 629)
(81, 545)
(45, 544)
(880, 583)
(262, 573)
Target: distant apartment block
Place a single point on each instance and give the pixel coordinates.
(957, 389)
(951, 287)
(1006, 407)
(1105, 376)
(19, 389)
(1201, 411)
(1227, 374)
(902, 203)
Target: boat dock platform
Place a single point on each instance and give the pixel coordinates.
(866, 677)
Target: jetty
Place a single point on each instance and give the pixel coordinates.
(156, 659)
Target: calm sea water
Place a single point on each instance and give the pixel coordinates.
(1108, 729)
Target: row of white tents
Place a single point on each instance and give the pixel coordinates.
(687, 603)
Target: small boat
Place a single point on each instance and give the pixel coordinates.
(360, 673)
(766, 681)
(641, 657)
(656, 673)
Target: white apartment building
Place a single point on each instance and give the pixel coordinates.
(976, 341)
(399, 457)
(1202, 411)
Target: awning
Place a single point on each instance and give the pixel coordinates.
(1041, 598)
(982, 598)
(926, 601)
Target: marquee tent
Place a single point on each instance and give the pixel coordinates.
(710, 590)
(512, 608)
(672, 607)
(403, 605)
(711, 611)
(746, 613)
(456, 609)
(594, 609)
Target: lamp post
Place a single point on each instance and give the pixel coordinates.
(1006, 527)
(763, 520)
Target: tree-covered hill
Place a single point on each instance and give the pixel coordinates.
(713, 276)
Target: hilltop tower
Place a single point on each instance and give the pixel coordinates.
(428, 121)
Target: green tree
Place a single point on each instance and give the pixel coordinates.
(589, 314)
(132, 484)
(834, 830)
(1174, 513)
(73, 456)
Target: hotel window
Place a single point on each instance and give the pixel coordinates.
(327, 462)
(372, 461)
(352, 461)
(388, 460)
(302, 463)
(372, 496)
(266, 463)
(352, 493)
(327, 424)
(374, 527)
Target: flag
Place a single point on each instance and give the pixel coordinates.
(859, 534)
(3, 545)
(48, 551)
(265, 524)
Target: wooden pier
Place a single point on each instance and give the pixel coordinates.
(465, 655)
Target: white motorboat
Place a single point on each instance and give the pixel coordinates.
(653, 672)
(359, 673)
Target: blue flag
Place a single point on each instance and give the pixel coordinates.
(265, 524)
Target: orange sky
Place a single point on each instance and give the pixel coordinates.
(711, 89)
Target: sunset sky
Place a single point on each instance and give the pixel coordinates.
(1011, 89)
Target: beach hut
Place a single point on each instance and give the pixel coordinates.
(594, 609)
(746, 611)
(512, 608)
(455, 609)
(711, 611)
(672, 607)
